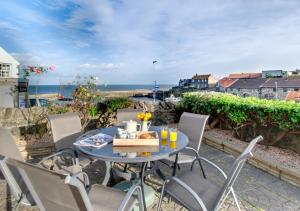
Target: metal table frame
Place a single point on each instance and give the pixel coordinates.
(143, 160)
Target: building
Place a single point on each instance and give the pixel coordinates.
(201, 82)
(278, 88)
(9, 66)
(224, 83)
(293, 73)
(13, 91)
(267, 88)
(185, 82)
(247, 87)
(293, 95)
(274, 73)
(244, 75)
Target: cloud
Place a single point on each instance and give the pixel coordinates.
(102, 66)
(185, 38)
(81, 44)
(27, 59)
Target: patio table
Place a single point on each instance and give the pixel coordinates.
(106, 153)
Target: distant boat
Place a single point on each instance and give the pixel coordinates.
(173, 99)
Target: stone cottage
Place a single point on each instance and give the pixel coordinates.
(268, 88)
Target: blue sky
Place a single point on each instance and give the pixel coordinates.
(118, 40)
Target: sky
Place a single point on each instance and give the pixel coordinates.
(118, 40)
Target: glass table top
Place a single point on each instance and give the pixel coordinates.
(133, 154)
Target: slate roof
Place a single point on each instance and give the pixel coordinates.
(252, 83)
(201, 77)
(256, 83)
(282, 83)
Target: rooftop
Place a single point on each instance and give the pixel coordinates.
(254, 83)
(293, 95)
(201, 77)
(226, 82)
(245, 75)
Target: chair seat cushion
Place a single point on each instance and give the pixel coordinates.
(205, 189)
(108, 199)
(185, 156)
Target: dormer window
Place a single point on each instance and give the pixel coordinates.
(4, 70)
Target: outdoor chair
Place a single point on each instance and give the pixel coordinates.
(65, 129)
(57, 192)
(126, 115)
(8, 148)
(17, 186)
(193, 126)
(197, 193)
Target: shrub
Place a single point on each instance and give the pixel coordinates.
(113, 104)
(246, 116)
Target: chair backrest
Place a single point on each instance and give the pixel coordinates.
(193, 126)
(127, 114)
(235, 170)
(51, 190)
(65, 129)
(8, 148)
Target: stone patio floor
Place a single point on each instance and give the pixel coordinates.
(256, 189)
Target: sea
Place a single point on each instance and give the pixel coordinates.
(67, 90)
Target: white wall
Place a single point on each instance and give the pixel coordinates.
(8, 59)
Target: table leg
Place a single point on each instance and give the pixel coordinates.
(107, 173)
(175, 165)
(144, 165)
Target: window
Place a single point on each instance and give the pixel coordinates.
(284, 89)
(274, 89)
(296, 89)
(4, 70)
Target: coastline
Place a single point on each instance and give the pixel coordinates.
(124, 93)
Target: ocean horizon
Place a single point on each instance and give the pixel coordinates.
(67, 90)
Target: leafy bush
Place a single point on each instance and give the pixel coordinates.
(113, 104)
(246, 116)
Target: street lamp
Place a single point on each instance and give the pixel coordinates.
(155, 87)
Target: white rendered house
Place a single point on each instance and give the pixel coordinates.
(9, 66)
(10, 93)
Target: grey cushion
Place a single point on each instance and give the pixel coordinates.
(185, 156)
(204, 188)
(67, 141)
(108, 199)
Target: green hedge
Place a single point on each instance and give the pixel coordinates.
(238, 113)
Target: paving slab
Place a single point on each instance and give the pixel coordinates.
(255, 189)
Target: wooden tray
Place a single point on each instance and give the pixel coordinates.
(138, 149)
(138, 141)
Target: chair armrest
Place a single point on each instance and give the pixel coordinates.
(212, 164)
(69, 149)
(129, 194)
(190, 190)
(57, 154)
(86, 179)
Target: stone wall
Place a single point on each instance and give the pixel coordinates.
(266, 93)
(245, 92)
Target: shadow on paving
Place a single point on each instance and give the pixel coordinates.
(256, 189)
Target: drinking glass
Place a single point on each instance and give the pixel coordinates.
(173, 134)
(164, 132)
